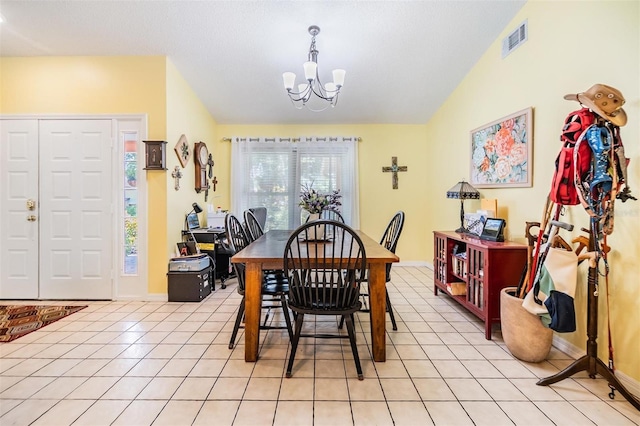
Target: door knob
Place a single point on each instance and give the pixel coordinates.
(31, 218)
(31, 204)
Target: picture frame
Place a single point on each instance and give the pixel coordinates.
(182, 151)
(493, 230)
(502, 152)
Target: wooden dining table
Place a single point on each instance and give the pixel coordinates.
(267, 253)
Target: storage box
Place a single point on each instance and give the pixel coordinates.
(190, 286)
(193, 263)
(457, 288)
(215, 220)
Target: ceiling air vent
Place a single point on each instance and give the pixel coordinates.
(515, 39)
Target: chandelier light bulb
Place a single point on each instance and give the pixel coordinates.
(310, 69)
(289, 79)
(331, 89)
(338, 77)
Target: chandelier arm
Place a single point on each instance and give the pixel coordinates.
(323, 96)
(295, 105)
(318, 110)
(301, 94)
(303, 104)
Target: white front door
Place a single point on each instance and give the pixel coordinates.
(76, 209)
(68, 252)
(18, 209)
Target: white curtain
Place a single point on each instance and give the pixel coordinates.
(269, 172)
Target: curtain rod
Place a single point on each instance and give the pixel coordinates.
(359, 139)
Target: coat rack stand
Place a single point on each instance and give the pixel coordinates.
(590, 362)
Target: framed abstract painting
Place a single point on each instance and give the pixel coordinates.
(502, 152)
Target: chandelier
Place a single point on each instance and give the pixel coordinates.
(328, 92)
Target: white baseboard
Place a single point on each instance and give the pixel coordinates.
(567, 347)
(157, 297)
(417, 263)
(153, 297)
(632, 385)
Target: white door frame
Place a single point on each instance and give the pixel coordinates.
(129, 287)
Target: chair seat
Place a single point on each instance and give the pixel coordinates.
(275, 288)
(275, 276)
(320, 308)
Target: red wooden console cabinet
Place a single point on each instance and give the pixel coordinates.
(482, 268)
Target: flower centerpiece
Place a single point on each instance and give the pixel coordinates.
(314, 202)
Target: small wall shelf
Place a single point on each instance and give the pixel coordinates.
(155, 155)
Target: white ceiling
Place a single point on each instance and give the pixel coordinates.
(403, 58)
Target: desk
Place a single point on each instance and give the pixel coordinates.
(220, 255)
(267, 253)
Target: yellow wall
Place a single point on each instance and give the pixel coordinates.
(98, 85)
(85, 85)
(565, 53)
(185, 115)
(378, 201)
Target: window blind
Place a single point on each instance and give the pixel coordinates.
(269, 172)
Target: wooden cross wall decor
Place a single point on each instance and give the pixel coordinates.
(394, 169)
(176, 175)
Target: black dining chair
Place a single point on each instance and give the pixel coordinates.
(324, 279)
(252, 225)
(274, 285)
(390, 242)
(332, 214)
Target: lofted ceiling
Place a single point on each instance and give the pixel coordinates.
(402, 58)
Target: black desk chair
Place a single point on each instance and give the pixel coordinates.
(324, 279)
(273, 285)
(331, 214)
(261, 214)
(252, 225)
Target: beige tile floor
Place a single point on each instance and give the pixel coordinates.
(135, 363)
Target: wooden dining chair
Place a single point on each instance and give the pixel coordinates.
(274, 286)
(324, 279)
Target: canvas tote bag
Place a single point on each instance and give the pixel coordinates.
(555, 288)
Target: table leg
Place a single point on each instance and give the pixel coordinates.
(377, 302)
(253, 302)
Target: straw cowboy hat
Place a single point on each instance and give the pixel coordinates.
(603, 100)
